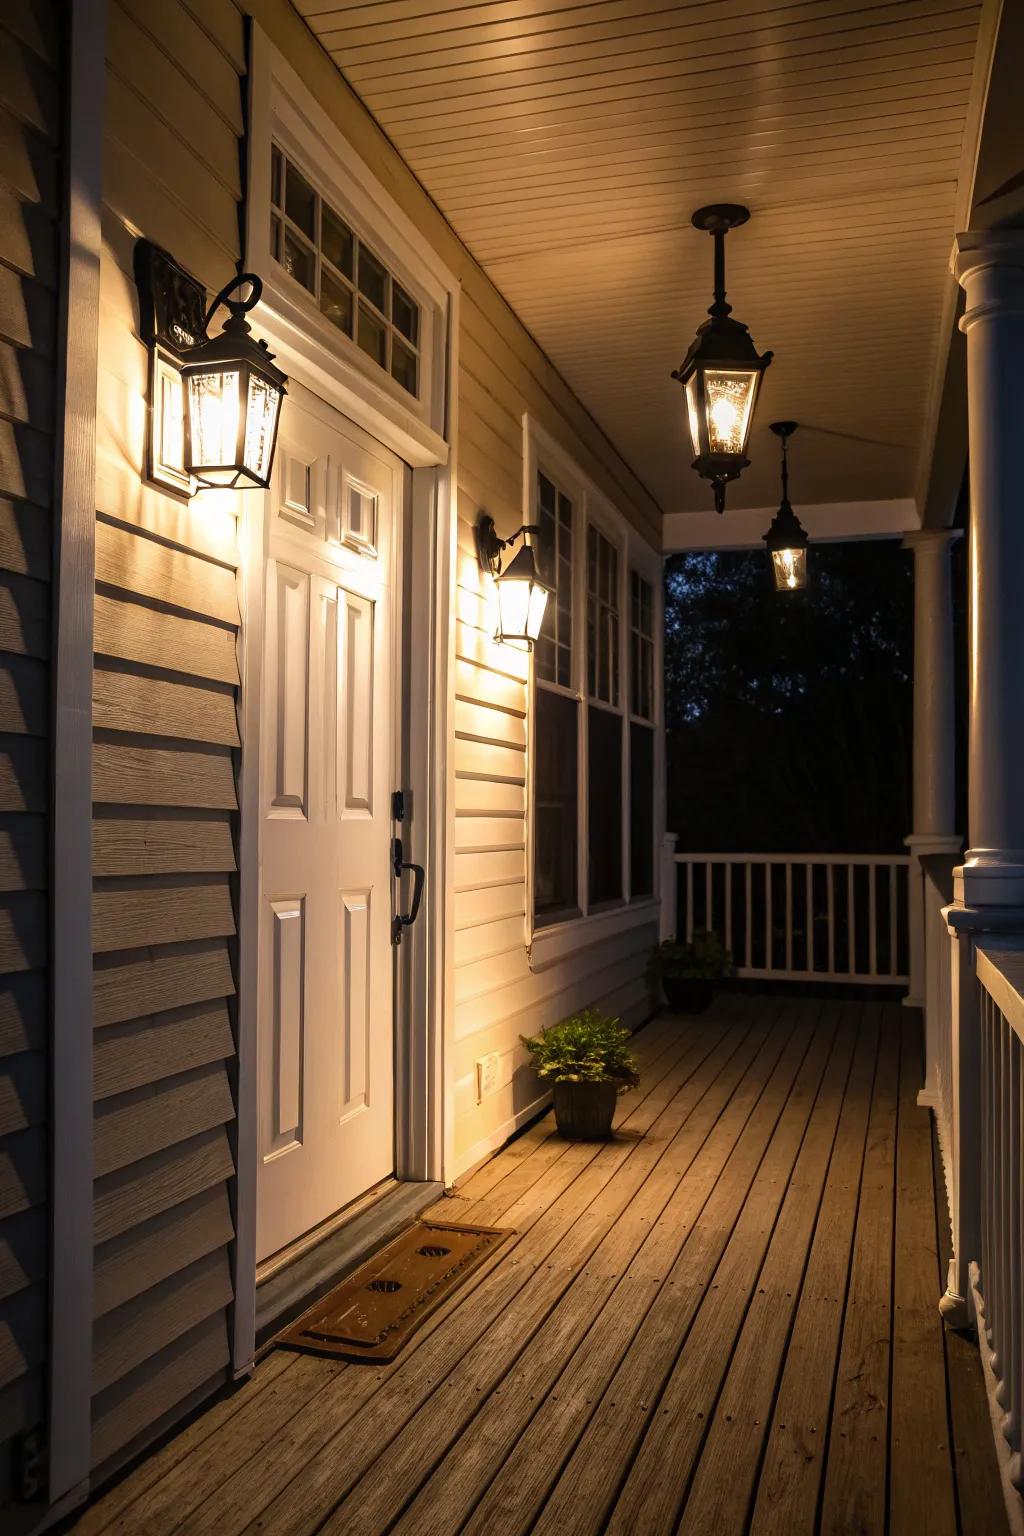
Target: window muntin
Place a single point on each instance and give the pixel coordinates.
(351, 286)
(641, 810)
(555, 806)
(603, 637)
(641, 647)
(553, 650)
(604, 806)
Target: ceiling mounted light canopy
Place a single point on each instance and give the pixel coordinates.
(522, 594)
(721, 373)
(786, 541)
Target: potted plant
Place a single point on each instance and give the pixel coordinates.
(587, 1061)
(688, 972)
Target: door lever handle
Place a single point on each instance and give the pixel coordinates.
(399, 864)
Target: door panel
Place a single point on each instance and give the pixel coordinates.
(329, 758)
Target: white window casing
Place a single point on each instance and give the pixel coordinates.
(551, 940)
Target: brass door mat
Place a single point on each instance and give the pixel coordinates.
(382, 1303)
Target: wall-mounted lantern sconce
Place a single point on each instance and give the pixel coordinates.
(215, 400)
(522, 594)
(721, 374)
(786, 540)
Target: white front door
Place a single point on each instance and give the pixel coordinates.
(328, 765)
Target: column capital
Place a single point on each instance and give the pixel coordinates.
(926, 539)
(989, 266)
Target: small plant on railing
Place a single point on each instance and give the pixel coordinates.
(687, 972)
(587, 1060)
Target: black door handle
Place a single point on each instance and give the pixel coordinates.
(399, 864)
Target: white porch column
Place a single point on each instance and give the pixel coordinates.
(989, 887)
(990, 267)
(933, 843)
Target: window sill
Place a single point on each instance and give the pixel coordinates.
(558, 940)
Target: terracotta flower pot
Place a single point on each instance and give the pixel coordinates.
(584, 1111)
(688, 994)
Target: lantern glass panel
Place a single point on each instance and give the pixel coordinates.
(513, 608)
(693, 415)
(213, 419)
(789, 567)
(263, 403)
(535, 617)
(730, 398)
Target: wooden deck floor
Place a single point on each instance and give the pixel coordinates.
(723, 1320)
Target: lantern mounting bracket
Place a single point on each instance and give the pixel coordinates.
(172, 303)
(489, 544)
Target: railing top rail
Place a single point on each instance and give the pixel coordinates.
(1000, 966)
(792, 858)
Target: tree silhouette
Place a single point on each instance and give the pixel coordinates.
(789, 715)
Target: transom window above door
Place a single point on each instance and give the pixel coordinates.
(352, 287)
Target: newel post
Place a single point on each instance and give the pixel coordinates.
(669, 917)
(956, 1305)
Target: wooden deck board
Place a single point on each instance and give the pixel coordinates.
(723, 1319)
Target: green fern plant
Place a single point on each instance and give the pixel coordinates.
(589, 1047)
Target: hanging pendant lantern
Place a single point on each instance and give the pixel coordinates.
(786, 540)
(721, 373)
(522, 594)
(233, 396)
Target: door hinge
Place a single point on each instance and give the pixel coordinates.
(30, 1455)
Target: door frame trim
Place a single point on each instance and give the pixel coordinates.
(423, 1068)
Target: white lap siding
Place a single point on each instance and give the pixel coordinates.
(164, 765)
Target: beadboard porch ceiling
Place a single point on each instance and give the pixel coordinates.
(569, 144)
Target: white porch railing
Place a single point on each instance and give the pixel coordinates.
(999, 1277)
(799, 917)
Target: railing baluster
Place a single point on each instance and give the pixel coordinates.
(872, 922)
(1011, 1242)
(728, 906)
(831, 897)
(789, 916)
(893, 966)
(748, 914)
(689, 901)
(769, 947)
(809, 918)
(709, 914)
(851, 923)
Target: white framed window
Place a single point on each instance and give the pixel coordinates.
(643, 650)
(594, 777)
(355, 301)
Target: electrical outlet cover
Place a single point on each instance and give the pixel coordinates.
(488, 1070)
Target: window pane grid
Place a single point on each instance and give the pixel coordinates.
(641, 661)
(553, 650)
(352, 287)
(602, 618)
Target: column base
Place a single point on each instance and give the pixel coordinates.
(955, 1311)
(988, 879)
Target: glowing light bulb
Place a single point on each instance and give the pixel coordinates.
(790, 567)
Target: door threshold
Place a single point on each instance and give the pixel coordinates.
(297, 1276)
